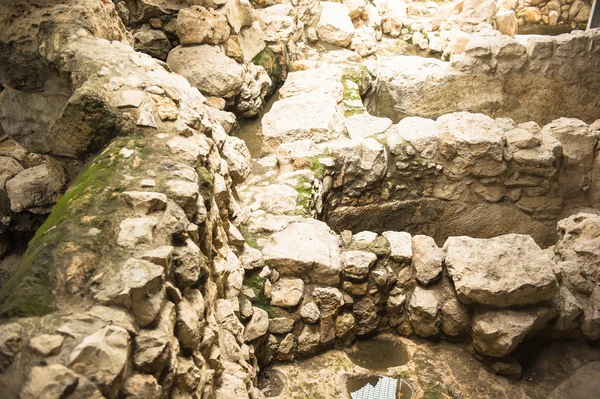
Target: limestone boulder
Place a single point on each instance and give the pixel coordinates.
(366, 315)
(310, 312)
(358, 263)
(287, 292)
(359, 164)
(305, 249)
(325, 80)
(281, 325)
(497, 333)
(427, 259)
(47, 344)
(208, 69)
(257, 84)
(506, 22)
(423, 310)
(502, 271)
(578, 143)
(9, 168)
(278, 22)
(238, 158)
(155, 346)
(103, 358)
(238, 13)
(475, 12)
(36, 189)
(258, 325)
(335, 26)
(198, 25)
(141, 385)
(138, 286)
(304, 116)
(252, 41)
(58, 381)
(472, 143)
(400, 246)
(363, 125)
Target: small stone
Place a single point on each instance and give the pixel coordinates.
(258, 325)
(328, 299)
(130, 99)
(310, 312)
(281, 325)
(145, 202)
(287, 292)
(47, 345)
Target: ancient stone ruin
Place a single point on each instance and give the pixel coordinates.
(238, 199)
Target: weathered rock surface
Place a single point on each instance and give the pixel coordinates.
(287, 292)
(502, 271)
(305, 249)
(335, 26)
(427, 259)
(198, 25)
(103, 358)
(423, 311)
(313, 116)
(208, 69)
(497, 332)
(36, 189)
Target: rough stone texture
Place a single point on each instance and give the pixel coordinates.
(335, 26)
(258, 325)
(427, 259)
(358, 263)
(56, 381)
(287, 292)
(400, 246)
(329, 300)
(102, 357)
(198, 25)
(423, 311)
(497, 332)
(9, 168)
(36, 189)
(208, 69)
(311, 116)
(278, 22)
(307, 250)
(522, 273)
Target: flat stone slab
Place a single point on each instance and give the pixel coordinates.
(501, 271)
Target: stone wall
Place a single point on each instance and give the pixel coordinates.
(528, 78)
(556, 12)
(461, 174)
(363, 283)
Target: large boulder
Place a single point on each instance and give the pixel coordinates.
(36, 189)
(335, 26)
(502, 271)
(209, 69)
(198, 25)
(496, 333)
(306, 249)
(311, 115)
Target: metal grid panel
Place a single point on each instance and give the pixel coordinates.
(385, 389)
